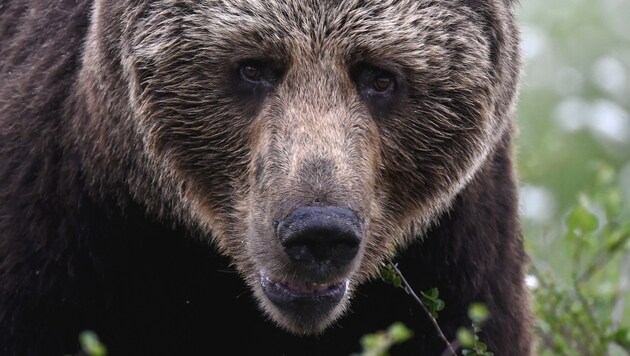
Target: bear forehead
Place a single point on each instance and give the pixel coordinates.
(307, 29)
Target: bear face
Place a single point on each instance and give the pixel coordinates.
(309, 140)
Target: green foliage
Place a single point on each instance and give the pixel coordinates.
(91, 345)
(582, 313)
(621, 337)
(429, 300)
(432, 302)
(581, 221)
(577, 64)
(390, 276)
(469, 339)
(478, 313)
(379, 343)
(572, 116)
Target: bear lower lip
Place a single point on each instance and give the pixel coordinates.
(302, 294)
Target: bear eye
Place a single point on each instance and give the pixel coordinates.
(378, 87)
(251, 72)
(382, 84)
(373, 81)
(253, 79)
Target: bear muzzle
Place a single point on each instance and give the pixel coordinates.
(322, 243)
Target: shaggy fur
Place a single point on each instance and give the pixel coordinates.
(142, 175)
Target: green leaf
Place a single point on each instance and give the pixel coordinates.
(370, 341)
(91, 345)
(439, 304)
(478, 313)
(399, 332)
(431, 300)
(621, 337)
(389, 275)
(465, 337)
(581, 220)
(613, 202)
(397, 281)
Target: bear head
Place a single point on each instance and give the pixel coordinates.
(309, 140)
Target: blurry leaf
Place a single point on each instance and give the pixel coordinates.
(605, 175)
(478, 313)
(621, 337)
(581, 220)
(613, 202)
(91, 345)
(370, 340)
(397, 281)
(399, 332)
(465, 337)
(481, 347)
(378, 343)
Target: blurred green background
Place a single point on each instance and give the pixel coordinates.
(573, 152)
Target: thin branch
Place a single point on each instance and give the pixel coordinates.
(449, 350)
(558, 304)
(620, 301)
(589, 314)
(409, 290)
(603, 257)
(624, 286)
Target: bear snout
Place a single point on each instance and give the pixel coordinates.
(321, 241)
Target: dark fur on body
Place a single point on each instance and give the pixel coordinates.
(128, 145)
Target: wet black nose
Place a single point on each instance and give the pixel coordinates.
(321, 236)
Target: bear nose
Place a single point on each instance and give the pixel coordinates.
(321, 236)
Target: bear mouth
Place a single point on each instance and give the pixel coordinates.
(303, 298)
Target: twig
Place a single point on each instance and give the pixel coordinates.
(449, 350)
(603, 258)
(620, 301)
(558, 304)
(409, 290)
(589, 313)
(624, 285)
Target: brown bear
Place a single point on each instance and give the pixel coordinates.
(185, 177)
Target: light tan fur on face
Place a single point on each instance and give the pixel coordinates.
(315, 139)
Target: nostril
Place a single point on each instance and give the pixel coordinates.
(321, 235)
(319, 245)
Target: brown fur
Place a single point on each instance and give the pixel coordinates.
(154, 120)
